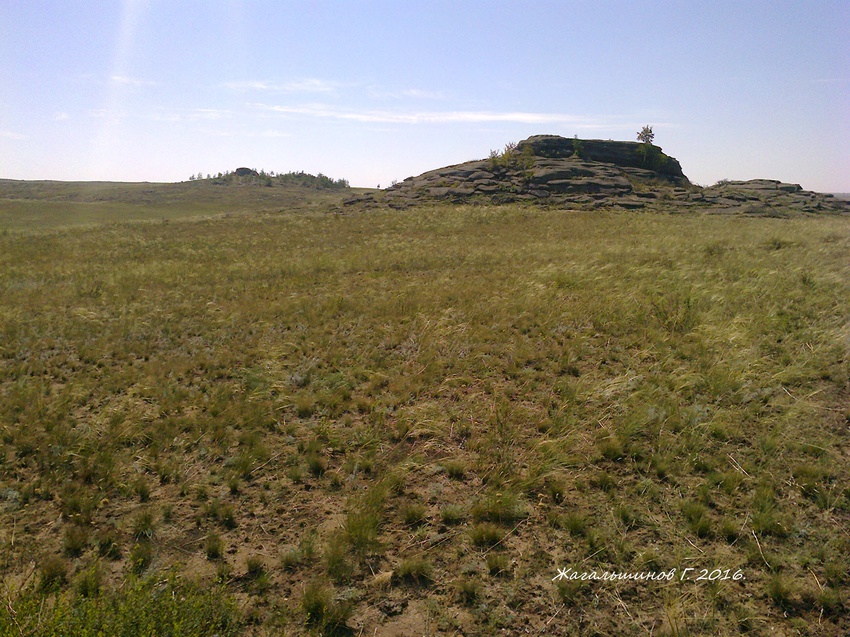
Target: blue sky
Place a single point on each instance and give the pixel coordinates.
(157, 90)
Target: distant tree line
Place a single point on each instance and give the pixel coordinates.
(250, 176)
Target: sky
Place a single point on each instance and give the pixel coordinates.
(376, 91)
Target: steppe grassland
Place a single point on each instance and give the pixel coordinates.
(324, 412)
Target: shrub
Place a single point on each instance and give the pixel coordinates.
(222, 512)
(503, 508)
(90, 581)
(143, 527)
(337, 562)
(452, 514)
(485, 534)
(141, 556)
(142, 489)
(322, 610)
(75, 540)
(361, 530)
(575, 523)
(413, 514)
(316, 464)
(140, 608)
(214, 546)
(456, 469)
(468, 590)
(497, 564)
(697, 516)
(108, 543)
(780, 591)
(255, 566)
(570, 590)
(415, 570)
(53, 573)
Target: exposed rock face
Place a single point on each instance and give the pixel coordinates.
(768, 196)
(594, 173)
(549, 168)
(623, 154)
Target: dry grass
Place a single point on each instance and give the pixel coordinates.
(467, 397)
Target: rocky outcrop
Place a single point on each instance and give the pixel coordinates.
(622, 154)
(550, 169)
(594, 173)
(766, 196)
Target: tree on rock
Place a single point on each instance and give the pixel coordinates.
(646, 135)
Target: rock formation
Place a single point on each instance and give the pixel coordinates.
(593, 173)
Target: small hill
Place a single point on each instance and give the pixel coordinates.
(594, 173)
(40, 205)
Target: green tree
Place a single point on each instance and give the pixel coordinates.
(646, 135)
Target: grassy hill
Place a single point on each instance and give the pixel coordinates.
(394, 423)
(40, 205)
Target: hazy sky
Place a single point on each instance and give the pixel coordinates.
(158, 90)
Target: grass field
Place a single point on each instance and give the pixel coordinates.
(397, 423)
(32, 206)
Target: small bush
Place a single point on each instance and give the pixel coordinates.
(322, 610)
(575, 523)
(455, 469)
(361, 530)
(676, 310)
(611, 449)
(413, 514)
(53, 573)
(485, 534)
(415, 570)
(108, 543)
(830, 600)
(141, 556)
(503, 508)
(697, 516)
(556, 490)
(295, 473)
(468, 590)
(452, 514)
(223, 572)
(214, 546)
(75, 540)
(570, 591)
(142, 489)
(780, 591)
(729, 530)
(305, 405)
(143, 607)
(316, 464)
(628, 516)
(497, 564)
(604, 481)
(767, 521)
(255, 566)
(143, 527)
(89, 582)
(222, 512)
(291, 559)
